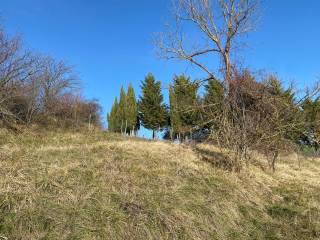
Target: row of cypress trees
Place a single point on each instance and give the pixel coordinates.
(123, 117)
(250, 114)
(127, 114)
(179, 119)
(189, 112)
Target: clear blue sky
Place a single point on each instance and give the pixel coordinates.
(110, 42)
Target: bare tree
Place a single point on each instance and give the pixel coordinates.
(39, 89)
(16, 67)
(221, 24)
(55, 78)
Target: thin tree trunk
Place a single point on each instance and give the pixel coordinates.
(89, 122)
(122, 127)
(274, 159)
(125, 131)
(153, 134)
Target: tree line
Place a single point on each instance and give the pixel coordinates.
(188, 111)
(38, 89)
(254, 113)
(249, 113)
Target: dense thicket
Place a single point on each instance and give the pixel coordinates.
(38, 89)
(257, 115)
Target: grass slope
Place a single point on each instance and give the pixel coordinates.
(56, 185)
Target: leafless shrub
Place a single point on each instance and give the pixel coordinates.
(74, 111)
(35, 89)
(16, 67)
(257, 116)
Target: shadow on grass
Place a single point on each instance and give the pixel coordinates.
(216, 159)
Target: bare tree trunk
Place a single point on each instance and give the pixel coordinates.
(125, 131)
(274, 160)
(153, 134)
(89, 125)
(121, 127)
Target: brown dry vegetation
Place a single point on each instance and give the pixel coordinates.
(94, 185)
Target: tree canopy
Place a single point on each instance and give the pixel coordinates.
(153, 111)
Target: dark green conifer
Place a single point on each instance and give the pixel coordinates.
(131, 111)
(123, 110)
(184, 105)
(113, 117)
(175, 120)
(153, 111)
(212, 102)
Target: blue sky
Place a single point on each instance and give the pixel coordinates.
(110, 41)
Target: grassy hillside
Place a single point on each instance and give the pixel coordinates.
(56, 185)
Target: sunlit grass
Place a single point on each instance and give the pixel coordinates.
(94, 185)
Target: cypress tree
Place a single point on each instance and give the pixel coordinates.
(311, 112)
(123, 116)
(151, 107)
(213, 102)
(113, 117)
(214, 92)
(275, 88)
(288, 110)
(123, 110)
(109, 120)
(184, 105)
(131, 110)
(174, 114)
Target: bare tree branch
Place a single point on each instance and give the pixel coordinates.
(220, 22)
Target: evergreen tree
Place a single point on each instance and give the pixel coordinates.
(184, 105)
(151, 107)
(123, 110)
(175, 121)
(109, 120)
(131, 111)
(311, 111)
(276, 88)
(214, 93)
(123, 116)
(289, 112)
(212, 102)
(113, 117)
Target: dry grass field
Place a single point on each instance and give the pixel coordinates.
(65, 185)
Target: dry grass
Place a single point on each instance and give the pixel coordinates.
(57, 185)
